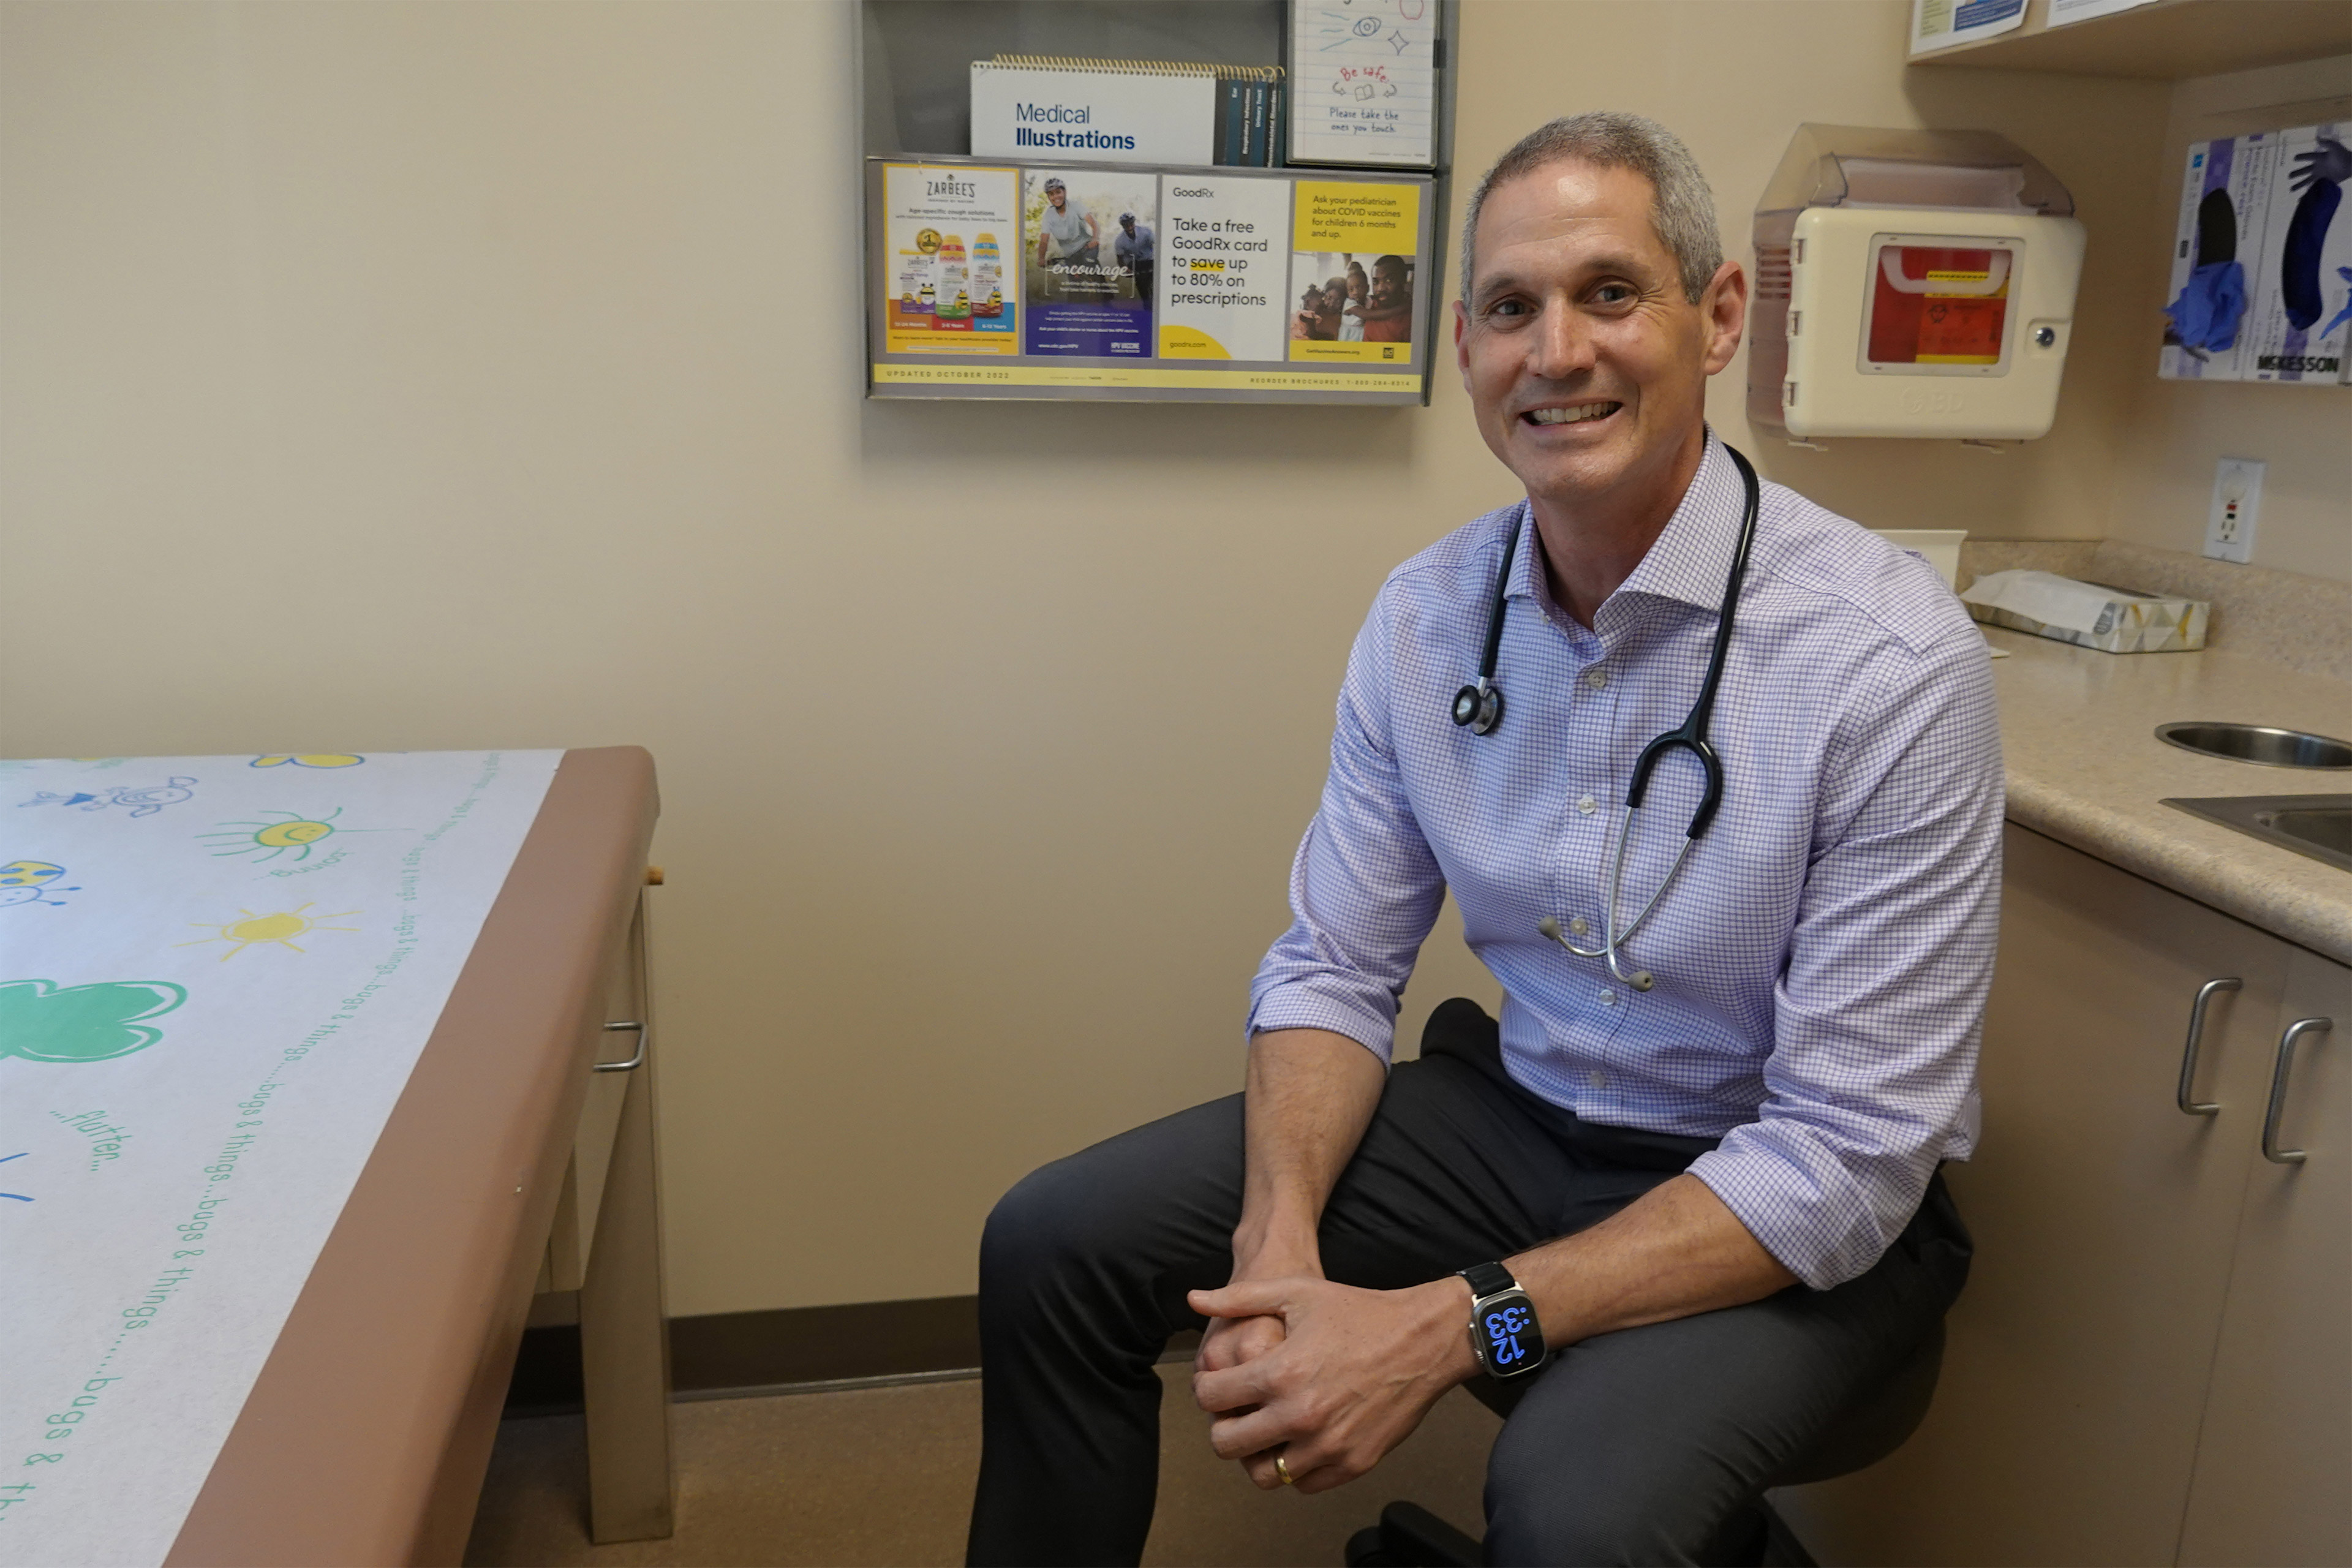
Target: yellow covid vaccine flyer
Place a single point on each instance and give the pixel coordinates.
(1353, 264)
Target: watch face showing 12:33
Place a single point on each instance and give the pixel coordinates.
(1505, 1323)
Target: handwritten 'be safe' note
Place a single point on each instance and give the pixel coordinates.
(1363, 82)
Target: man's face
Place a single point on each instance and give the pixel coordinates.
(1128, 223)
(1585, 366)
(1388, 285)
(1056, 195)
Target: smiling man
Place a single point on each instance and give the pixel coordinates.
(1682, 1198)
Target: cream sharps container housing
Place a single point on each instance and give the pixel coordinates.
(1913, 283)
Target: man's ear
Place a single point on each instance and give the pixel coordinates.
(1724, 306)
(1462, 341)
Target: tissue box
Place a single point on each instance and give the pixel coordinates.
(2089, 615)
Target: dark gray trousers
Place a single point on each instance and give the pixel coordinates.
(1647, 1446)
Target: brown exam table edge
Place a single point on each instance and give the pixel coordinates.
(366, 1436)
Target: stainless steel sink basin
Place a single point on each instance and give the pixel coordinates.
(2319, 825)
(2258, 744)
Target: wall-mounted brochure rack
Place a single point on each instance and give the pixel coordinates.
(1047, 276)
(1247, 295)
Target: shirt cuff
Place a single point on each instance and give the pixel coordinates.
(1824, 1223)
(1304, 1005)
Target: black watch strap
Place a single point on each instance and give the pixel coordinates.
(1486, 1279)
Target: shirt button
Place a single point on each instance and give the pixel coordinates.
(1597, 1079)
(1587, 806)
(1608, 999)
(1596, 677)
(1579, 926)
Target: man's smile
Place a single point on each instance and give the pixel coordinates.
(1572, 413)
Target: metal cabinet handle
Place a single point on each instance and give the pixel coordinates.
(2294, 1031)
(2196, 1038)
(644, 1035)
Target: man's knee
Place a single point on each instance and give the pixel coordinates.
(1046, 1222)
(1147, 1199)
(1105, 1241)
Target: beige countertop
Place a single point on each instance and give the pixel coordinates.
(2086, 768)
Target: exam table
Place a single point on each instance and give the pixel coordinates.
(509, 1162)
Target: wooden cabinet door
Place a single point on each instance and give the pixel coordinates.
(2274, 1482)
(2065, 1424)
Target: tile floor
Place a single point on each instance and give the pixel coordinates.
(883, 1477)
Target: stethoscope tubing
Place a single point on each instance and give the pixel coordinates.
(1611, 938)
(1480, 708)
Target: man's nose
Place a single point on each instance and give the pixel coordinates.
(1563, 345)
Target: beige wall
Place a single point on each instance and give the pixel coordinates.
(2180, 428)
(412, 375)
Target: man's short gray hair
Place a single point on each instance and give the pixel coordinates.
(1682, 209)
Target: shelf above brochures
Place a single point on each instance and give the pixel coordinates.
(990, 278)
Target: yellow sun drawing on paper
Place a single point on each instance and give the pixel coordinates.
(279, 928)
(268, 840)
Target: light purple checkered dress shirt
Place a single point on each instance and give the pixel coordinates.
(1823, 959)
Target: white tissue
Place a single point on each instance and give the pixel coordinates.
(2052, 600)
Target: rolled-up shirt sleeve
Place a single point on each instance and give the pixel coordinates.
(1877, 1011)
(1364, 888)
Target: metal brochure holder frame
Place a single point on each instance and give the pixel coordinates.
(912, 83)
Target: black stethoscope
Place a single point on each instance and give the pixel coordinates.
(1478, 708)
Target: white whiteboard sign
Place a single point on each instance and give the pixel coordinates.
(1363, 82)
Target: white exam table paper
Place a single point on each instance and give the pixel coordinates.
(216, 977)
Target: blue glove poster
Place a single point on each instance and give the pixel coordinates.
(2299, 307)
(2262, 260)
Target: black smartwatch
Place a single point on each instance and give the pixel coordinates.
(1503, 1328)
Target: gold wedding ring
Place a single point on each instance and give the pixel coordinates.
(1283, 1471)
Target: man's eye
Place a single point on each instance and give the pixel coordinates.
(1507, 308)
(1612, 294)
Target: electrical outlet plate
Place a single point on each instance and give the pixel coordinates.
(2237, 503)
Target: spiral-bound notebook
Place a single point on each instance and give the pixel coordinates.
(1038, 106)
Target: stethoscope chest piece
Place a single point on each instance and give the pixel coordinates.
(1479, 707)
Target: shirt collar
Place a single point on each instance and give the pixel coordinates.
(1691, 557)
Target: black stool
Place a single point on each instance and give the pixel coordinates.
(1872, 1427)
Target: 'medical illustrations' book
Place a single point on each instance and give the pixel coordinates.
(1036, 107)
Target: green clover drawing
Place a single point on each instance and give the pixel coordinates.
(43, 1022)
